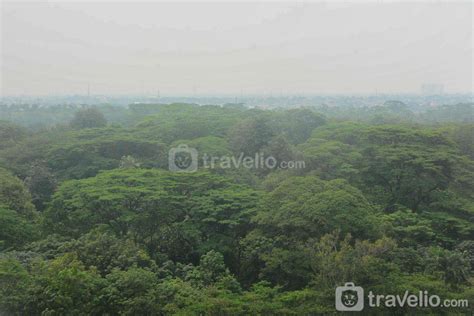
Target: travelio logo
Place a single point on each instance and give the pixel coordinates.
(349, 298)
(183, 159)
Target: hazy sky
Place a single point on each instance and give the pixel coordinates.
(60, 48)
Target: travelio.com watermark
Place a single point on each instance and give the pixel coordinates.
(186, 159)
(351, 298)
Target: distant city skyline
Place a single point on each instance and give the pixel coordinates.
(235, 49)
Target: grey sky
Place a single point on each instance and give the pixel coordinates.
(231, 48)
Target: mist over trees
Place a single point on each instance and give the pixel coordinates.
(93, 222)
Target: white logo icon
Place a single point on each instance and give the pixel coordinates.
(183, 159)
(349, 297)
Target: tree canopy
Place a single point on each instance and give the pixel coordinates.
(93, 221)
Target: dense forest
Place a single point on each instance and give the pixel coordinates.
(93, 222)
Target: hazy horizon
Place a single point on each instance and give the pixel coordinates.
(234, 49)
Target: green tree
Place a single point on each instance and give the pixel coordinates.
(14, 195)
(10, 134)
(453, 266)
(463, 135)
(178, 214)
(409, 228)
(305, 207)
(14, 285)
(211, 269)
(103, 251)
(88, 118)
(298, 124)
(64, 286)
(41, 183)
(16, 230)
(250, 136)
(331, 159)
(131, 292)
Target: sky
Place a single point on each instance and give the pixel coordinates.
(70, 48)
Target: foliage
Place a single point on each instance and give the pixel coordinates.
(92, 222)
(14, 195)
(88, 118)
(10, 134)
(41, 182)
